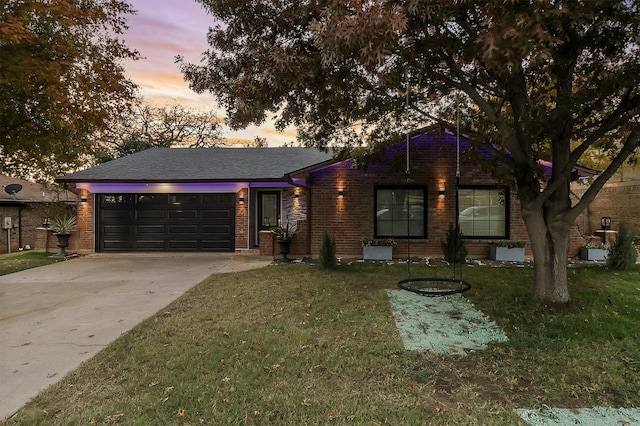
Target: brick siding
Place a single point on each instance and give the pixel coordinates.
(351, 218)
(618, 200)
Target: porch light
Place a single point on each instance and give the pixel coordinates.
(241, 199)
(340, 193)
(83, 199)
(441, 192)
(296, 195)
(605, 223)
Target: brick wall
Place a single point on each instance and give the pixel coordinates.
(23, 220)
(242, 220)
(28, 222)
(351, 218)
(83, 241)
(618, 200)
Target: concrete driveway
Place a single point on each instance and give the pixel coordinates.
(54, 317)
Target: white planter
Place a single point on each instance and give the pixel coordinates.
(506, 254)
(377, 252)
(593, 254)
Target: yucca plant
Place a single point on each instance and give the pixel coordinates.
(64, 223)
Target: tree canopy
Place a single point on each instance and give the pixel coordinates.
(544, 79)
(61, 77)
(144, 126)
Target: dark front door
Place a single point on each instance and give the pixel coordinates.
(268, 209)
(166, 222)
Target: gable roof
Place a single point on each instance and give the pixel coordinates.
(204, 164)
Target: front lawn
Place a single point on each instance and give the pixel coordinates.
(295, 345)
(19, 261)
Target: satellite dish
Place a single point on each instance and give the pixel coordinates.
(13, 189)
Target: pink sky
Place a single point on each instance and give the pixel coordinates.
(163, 29)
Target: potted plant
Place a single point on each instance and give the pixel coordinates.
(507, 251)
(62, 225)
(377, 248)
(285, 234)
(594, 251)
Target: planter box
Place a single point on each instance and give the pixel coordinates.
(593, 254)
(377, 252)
(506, 254)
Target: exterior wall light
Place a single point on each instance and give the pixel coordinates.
(441, 192)
(296, 195)
(83, 199)
(241, 199)
(340, 193)
(605, 223)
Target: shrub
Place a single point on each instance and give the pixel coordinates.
(328, 251)
(622, 253)
(453, 247)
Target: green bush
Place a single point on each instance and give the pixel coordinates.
(453, 247)
(622, 253)
(328, 251)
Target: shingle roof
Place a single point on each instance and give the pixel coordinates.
(203, 164)
(32, 192)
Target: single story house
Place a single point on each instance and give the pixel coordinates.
(227, 199)
(22, 212)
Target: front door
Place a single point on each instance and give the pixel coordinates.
(268, 210)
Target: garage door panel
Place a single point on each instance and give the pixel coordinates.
(183, 229)
(183, 214)
(190, 245)
(166, 222)
(119, 245)
(116, 214)
(151, 214)
(150, 230)
(215, 214)
(150, 244)
(117, 229)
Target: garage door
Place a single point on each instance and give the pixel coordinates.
(165, 222)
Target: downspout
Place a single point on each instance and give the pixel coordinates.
(308, 191)
(20, 227)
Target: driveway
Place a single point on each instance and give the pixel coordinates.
(54, 317)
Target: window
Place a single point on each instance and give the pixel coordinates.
(483, 212)
(268, 209)
(400, 212)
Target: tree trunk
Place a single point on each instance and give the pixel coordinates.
(550, 246)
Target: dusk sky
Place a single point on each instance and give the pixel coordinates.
(163, 29)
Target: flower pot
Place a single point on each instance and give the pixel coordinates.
(377, 252)
(506, 254)
(285, 248)
(593, 254)
(63, 243)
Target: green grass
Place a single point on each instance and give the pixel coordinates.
(296, 345)
(19, 261)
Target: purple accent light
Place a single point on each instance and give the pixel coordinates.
(173, 187)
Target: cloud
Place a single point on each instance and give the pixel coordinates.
(163, 29)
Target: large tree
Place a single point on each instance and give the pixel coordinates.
(144, 126)
(61, 77)
(536, 80)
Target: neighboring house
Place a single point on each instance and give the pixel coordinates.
(19, 215)
(227, 199)
(619, 200)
